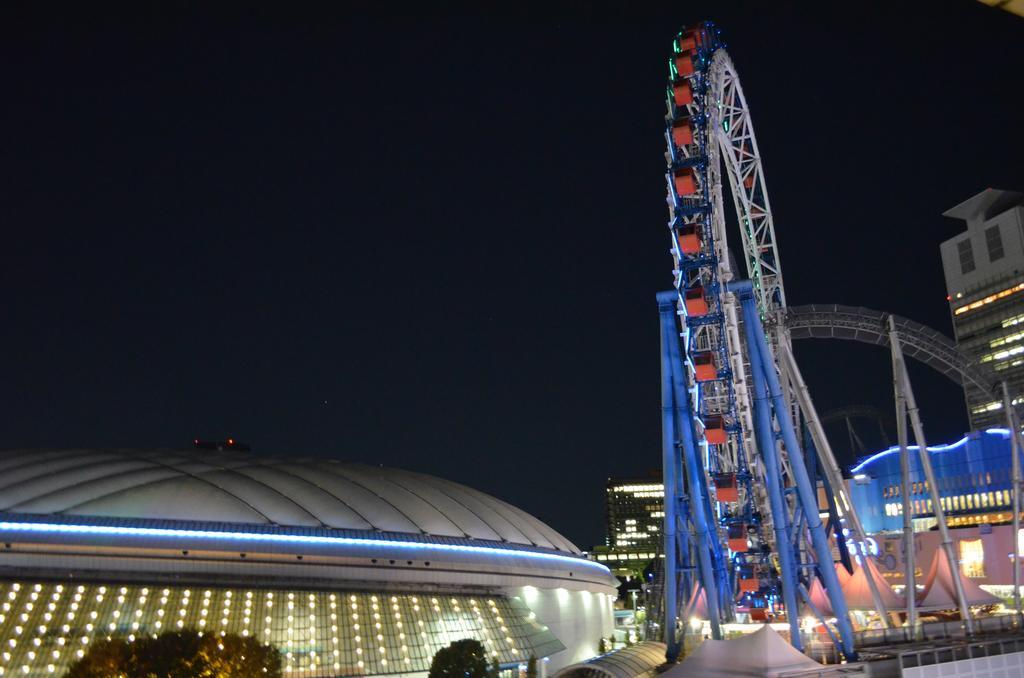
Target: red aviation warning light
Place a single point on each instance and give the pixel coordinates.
(220, 445)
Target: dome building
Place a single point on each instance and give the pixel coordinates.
(348, 569)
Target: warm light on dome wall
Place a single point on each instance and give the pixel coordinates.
(46, 626)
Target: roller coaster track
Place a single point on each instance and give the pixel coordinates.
(868, 326)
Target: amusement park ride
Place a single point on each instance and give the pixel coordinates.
(742, 519)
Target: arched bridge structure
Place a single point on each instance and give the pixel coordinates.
(856, 323)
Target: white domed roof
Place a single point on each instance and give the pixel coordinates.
(234, 487)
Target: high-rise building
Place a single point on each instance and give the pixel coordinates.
(984, 270)
(634, 510)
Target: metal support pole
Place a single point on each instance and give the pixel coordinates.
(678, 440)
(669, 454)
(806, 493)
(831, 469)
(909, 552)
(1014, 426)
(773, 481)
(695, 479)
(929, 474)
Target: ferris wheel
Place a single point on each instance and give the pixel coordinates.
(731, 388)
(710, 138)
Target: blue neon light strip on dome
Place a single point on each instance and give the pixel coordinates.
(284, 538)
(1004, 432)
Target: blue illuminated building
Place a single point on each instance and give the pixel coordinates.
(973, 474)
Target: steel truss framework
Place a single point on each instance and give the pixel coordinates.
(920, 342)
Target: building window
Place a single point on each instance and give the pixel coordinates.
(963, 248)
(972, 558)
(994, 241)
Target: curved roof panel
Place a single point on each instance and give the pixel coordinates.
(236, 487)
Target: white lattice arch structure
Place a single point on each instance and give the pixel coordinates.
(868, 326)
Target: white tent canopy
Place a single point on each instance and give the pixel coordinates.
(697, 607)
(843, 575)
(940, 591)
(857, 589)
(820, 598)
(762, 653)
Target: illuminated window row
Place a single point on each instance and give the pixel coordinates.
(1015, 320)
(1002, 294)
(963, 480)
(653, 493)
(993, 405)
(1008, 339)
(44, 627)
(1005, 366)
(958, 502)
(975, 519)
(625, 556)
(1002, 355)
(647, 487)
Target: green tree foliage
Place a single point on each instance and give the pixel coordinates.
(462, 659)
(531, 667)
(184, 654)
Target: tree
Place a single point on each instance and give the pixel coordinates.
(531, 667)
(602, 645)
(462, 659)
(185, 654)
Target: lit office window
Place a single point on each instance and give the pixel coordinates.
(972, 558)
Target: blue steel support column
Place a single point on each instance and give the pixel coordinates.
(833, 525)
(718, 559)
(706, 536)
(807, 495)
(684, 565)
(669, 465)
(780, 513)
(682, 424)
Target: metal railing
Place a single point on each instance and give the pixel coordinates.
(837, 671)
(944, 654)
(877, 644)
(936, 631)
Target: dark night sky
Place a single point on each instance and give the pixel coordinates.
(432, 241)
